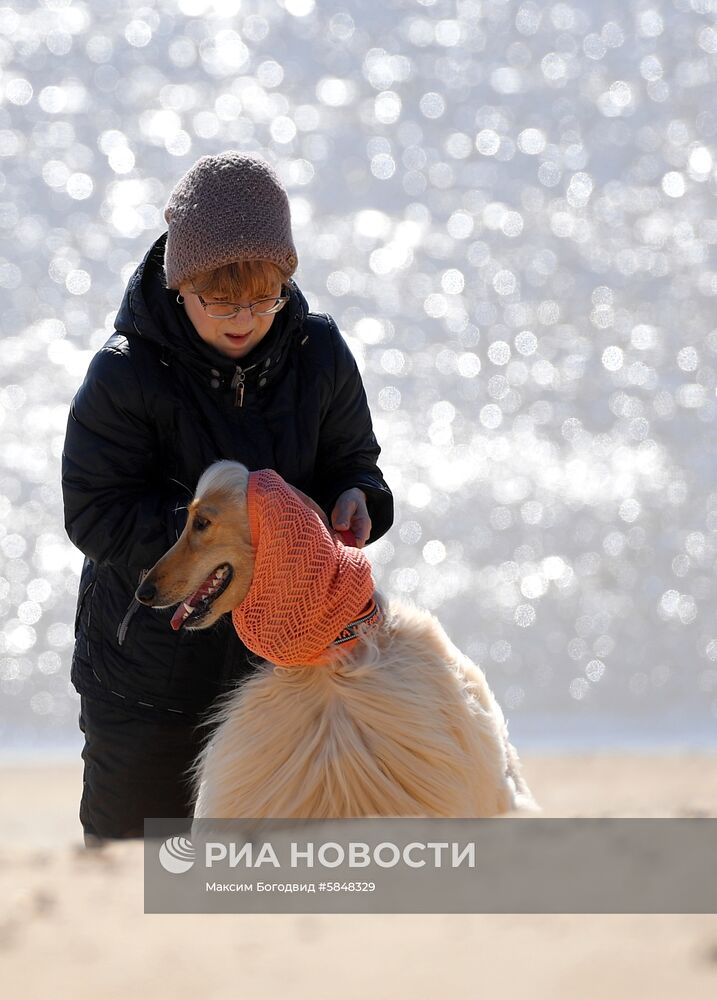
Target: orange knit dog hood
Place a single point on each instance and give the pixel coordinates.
(309, 592)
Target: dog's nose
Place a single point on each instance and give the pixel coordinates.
(146, 592)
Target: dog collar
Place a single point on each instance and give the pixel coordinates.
(370, 618)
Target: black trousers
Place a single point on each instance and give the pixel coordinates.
(135, 768)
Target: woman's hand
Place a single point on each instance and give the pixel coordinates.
(351, 514)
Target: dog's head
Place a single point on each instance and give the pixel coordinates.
(260, 548)
(208, 570)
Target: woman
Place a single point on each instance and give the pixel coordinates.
(215, 355)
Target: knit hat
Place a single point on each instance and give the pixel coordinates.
(309, 591)
(227, 207)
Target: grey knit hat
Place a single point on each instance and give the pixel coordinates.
(227, 207)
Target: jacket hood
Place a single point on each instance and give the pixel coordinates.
(150, 310)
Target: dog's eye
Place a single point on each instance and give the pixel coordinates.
(200, 523)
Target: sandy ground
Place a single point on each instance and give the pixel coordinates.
(72, 921)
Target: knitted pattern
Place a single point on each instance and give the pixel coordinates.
(307, 585)
(227, 207)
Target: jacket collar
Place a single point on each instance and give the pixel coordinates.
(150, 310)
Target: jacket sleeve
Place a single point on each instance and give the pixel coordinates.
(115, 509)
(348, 450)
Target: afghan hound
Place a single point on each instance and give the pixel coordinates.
(359, 706)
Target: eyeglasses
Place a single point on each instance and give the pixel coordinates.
(226, 310)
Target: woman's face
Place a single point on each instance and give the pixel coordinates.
(232, 337)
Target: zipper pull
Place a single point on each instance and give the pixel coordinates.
(238, 387)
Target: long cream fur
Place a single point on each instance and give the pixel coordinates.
(401, 727)
(402, 724)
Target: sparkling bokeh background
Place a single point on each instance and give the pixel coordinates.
(510, 210)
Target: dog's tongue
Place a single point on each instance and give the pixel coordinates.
(187, 607)
(181, 614)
